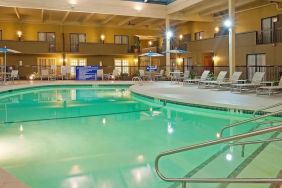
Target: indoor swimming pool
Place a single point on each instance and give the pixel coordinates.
(107, 137)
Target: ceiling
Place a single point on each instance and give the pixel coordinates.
(161, 2)
(119, 13)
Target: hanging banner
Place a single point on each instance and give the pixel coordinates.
(86, 73)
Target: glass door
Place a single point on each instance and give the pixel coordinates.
(255, 63)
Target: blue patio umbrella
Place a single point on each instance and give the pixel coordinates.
(151, 54)
(6, 50)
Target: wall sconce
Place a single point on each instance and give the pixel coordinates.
(102, 37)
(150, 43)
(19, 34)
(274, 19)
(215, 59)
(216, 29)
(179, 61)
(101, 64)
(63, 60)
(180, 37)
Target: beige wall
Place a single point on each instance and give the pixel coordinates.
(246, 21)
(30, 32)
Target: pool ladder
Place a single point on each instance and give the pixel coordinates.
(230, 141)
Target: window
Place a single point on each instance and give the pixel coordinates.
(0, 34)
(77, 62)
(49, 37)
(75, 39)
(199, 35)
(121, 39)
(46, 63)
(122, 66)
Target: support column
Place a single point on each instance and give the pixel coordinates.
(232, 45)
(167, 26)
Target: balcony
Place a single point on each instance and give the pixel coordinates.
(269, 36)
(26, 47)
(103, 49)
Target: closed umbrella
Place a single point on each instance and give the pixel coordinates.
(151, 54)
(6, 50)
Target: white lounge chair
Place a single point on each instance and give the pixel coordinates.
(208, 83)
(270, 89)
(255, 83)
(233, 80)
(65, 72)
(203, 77)
(143, 76)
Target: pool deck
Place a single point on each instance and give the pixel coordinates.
(9, 181)
(188, 94)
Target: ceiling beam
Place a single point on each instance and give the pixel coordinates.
(108, 19)
(146, 21)
(42, 16)
(179, 5)
(177, 23)
(195, 17)
(196, 9)
(65, 16)
(87, 18)
(224, 7)
(17, 13)
(126, 21)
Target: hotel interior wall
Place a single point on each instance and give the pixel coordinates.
(33, 49)
(247, 23)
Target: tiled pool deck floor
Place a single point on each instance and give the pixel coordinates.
(207, 97)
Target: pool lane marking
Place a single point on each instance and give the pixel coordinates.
(248, 160)
(76, 117)
(206, 162)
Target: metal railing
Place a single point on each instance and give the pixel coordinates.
(184, 181)
(219, 135)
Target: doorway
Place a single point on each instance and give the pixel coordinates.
(255, 63)
(208, 61)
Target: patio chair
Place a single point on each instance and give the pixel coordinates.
(14, 75)
(270, 89)
(185, 76)
(45, 74)
(233, 80)
(208, 83)
(196, 80)
(65, 72)
(175, 76)
(143, 76)
(115, 75)
(160, 75)
(255, 83)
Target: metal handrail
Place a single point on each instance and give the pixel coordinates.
(219, 135)
(266, 108)
(215, 142)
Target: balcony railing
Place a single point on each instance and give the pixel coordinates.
(269, 36)
(27, 47)
(103, 49)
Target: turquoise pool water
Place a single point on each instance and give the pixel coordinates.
(106, 137)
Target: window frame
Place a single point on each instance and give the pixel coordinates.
(198, 36)
(51, 49)
(121, 39)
